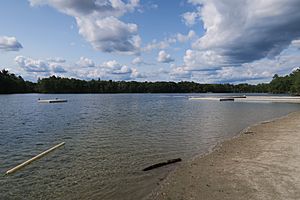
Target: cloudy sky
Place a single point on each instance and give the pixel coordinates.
(207, 41)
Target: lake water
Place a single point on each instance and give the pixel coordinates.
(109, 139)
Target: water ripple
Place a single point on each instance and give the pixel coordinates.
(109, 139)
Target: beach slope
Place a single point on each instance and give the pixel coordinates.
(262, 163)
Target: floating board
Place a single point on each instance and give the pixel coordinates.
(33, 159)
(52, 101)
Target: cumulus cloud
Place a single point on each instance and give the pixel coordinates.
(85, 62)
(43, 67)
(159, 44)
(190, 18)
(31, 65)
(247, 30)
(113, 67)
(56, 60)
(222, 75)
(255, 72)
(202, 60)
(109, 70)
(179, 73)
(137, 61)
(84, 68)
(238, 75)
(169, 41)
(98, 22)
(9, 44)
(140, 61)
(296, 43)
(164, 57)
(57, 69)
(184, 38)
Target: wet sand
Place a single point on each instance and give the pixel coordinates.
(263, 162)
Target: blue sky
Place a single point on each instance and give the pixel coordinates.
(207, 41)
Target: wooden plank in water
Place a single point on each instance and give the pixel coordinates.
(33, 159)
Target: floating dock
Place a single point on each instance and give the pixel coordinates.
(52, 100)
(258, 99)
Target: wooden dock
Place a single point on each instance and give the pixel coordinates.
(52, 100)
(257, 99)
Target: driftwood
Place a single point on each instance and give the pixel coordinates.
(162, 164)
(227, 99)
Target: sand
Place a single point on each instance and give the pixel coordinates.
(263, 162)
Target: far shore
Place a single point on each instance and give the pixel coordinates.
(263, 162)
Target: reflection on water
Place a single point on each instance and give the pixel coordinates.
(110, 139)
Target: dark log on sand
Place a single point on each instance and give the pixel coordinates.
(227, 99)
(162, 164)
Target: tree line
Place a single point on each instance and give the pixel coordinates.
(286, 84)
(10, 83)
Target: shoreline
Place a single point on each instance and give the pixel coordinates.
(230, 169)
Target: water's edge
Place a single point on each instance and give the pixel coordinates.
(211, 150)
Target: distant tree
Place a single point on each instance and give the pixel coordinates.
(10, 83)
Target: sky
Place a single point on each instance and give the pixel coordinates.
(206, 41)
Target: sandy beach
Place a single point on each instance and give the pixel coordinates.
(263, 162)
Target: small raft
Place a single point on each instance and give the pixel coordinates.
(52, 100)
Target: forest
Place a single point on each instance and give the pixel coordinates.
(10, 83)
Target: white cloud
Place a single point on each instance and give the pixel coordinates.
(9, 44)
(56, 60)
(244, 40)
(184, 38)
(135, 74)
(31, 65)
(179, 73)
(57, 69)
(169, 41)
(239, 75)
(164, 57)
(98, 22)
(85, 68)
(202, 60)
(108, 70)
(296, 43)
(137, 61)
(255, 72)
(140, 61)
(159, 44)
(110, 34)
(190, 18)
(43, 67)
(85, 62)
(113, 67)
(247, 30)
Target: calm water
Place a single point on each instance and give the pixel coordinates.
(110, 139)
